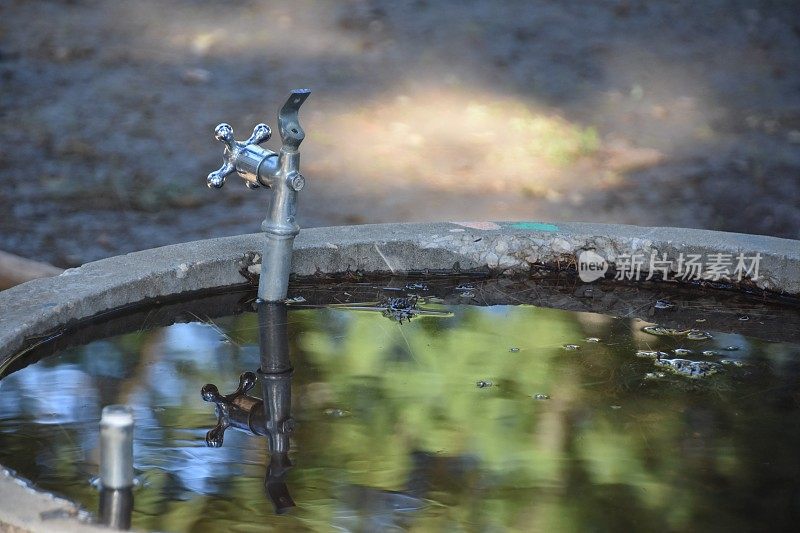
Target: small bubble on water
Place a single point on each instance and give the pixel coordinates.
(592, 339)
(743, 318)
(731, 348)
(483, 384)
(709, 353)
(700, 320)
(616, 407)
(571, 347)
(295, 300)
(416, 287)
(655, 375)
(682, 351)
(336, 413)
(663, 304)
(513, 349)
(541, 396)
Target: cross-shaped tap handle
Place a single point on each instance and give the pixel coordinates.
(241, 157)
(237, 409)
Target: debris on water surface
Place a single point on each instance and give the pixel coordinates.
(697, 335)
(592, 339)
(416, 287)
(663, 331)
(513, 349)
(295, 300)
(663, 304)
(655, 375)
(571, 347)
(682, 351)
(743, 318)
(731, 348)
(541, 396)
(616, 407)
(710, 353)
(692, 369)
(400, 309)
(483, 384)
(334, 412)
(465, 290)
(691, 334)
(650, 354)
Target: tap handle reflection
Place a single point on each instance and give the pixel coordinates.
(237, 409)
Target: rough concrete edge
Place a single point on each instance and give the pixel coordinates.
(39, 511)
(38, 306)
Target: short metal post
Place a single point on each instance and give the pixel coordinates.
(116, 466)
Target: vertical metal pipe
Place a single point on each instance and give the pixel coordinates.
(116, 447)
(275, 267)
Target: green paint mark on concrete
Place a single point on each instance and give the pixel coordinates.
(534, 226)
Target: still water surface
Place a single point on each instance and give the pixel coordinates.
(468, 418)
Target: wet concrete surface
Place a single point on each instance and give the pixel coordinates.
(681, 114)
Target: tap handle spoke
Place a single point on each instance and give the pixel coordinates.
(261, 133)
(216, 179)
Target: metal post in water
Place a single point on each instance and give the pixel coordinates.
(116, 508)
(116, 466)
(275, 373)
(271, 416)
(278, 171)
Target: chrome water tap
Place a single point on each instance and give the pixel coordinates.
(279, 172)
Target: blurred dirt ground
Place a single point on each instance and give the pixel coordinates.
(681, 113)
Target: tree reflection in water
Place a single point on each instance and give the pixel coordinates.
(391, 431)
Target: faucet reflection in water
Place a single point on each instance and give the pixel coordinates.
(277, 171)
(270, 417)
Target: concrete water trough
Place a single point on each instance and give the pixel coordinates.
(40, 311)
